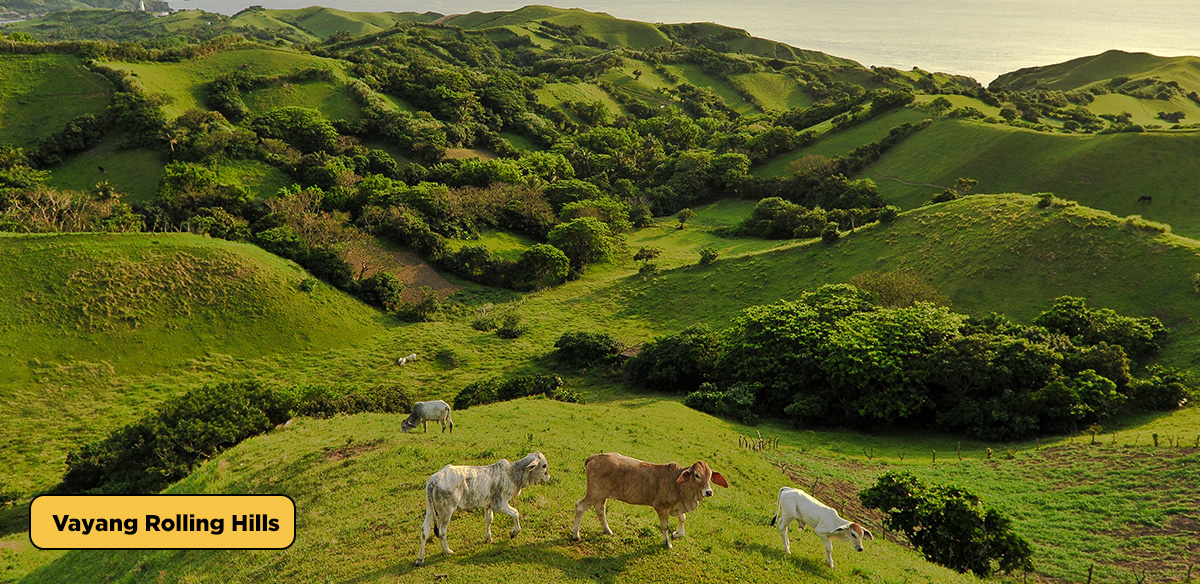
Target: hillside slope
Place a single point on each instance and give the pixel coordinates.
(40, 94)
(1095, 69)
(86, 310)
(966, 248)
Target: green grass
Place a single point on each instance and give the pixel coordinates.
(86, 310)
(1145, 111)
(775, 91)
(360, 516)
(693, 74)
(556, 94)
(834, 143)
(1098, 69)
(323, 22)
(39, 94)
(521, 143)
(134, 173)
(962, 101)
(505, 245)
(332, 99)
(184, 82)
(1107, 172)
(261, 178)
(629, 33)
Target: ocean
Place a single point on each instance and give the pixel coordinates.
(978, 38)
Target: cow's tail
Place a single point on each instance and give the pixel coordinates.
(778, 507)
(430, 510)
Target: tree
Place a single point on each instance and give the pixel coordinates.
(830, 234)
(646, 254)
(949, 525)
(585, 241)
(683, 215)
(708, 255)
(542, 265)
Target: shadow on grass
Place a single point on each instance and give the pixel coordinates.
(811, 565)
(14, 519)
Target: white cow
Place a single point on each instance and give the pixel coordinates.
(802, 507)
(425, 412)
(406, 359)
(472, 487)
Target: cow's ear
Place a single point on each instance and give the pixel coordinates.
(683, 476)
(720, 480)
(532, 465)
(867, 535)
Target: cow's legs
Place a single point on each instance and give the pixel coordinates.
(443, 522)
(425, 425)
(507, 509)
(665, 525)
(487, 524)
(679, 532)
(784, 522)
(602, 515)
(429, 518)
(580, 507)
(828, 550)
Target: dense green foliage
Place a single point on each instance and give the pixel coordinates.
(501, 389)
(839, 356)
(145, 456)
(581, 349)
(949, 525)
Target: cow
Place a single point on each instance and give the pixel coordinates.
(425, 412)
(1145, 199)
(406, 359)
(795, 504)
(672, 490)
(471, 487)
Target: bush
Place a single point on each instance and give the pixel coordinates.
(708, 255)
(498, 390)
(736, 403)
(830, 234)
(1165, 389)
(512, 326)
(163, 447)
(677, 363)
(949, 525)
(888, 214)
(583, 349)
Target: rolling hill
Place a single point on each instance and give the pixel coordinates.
(39, 94)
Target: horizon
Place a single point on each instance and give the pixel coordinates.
(898, 34)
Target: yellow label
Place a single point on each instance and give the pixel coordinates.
(162, 522)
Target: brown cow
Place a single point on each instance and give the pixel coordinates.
(669, 488)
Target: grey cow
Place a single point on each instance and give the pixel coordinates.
(425, 412)
(473, 487)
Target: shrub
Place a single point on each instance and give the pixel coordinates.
(382, 289)
(830, 234)
(888, 214)
(1164, 389)
(899, 289)
(427, 306)
(512, 326)
(1138, 223)
(497, 390)
(708, 255)
(583, 349)
(736, 403)
(949, 525)
(945, 196)
(676, 363)
(325, 401)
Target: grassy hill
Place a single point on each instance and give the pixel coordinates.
(184, 81)
(87, 310)
(1107, 172)
(627, 33)
(321, 22)
(1096, 69)
(39, 94)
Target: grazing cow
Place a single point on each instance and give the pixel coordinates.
(425, 412)
(671, 489)
(472, 487)
(407, 359)
(802, 507)
(1145, 199)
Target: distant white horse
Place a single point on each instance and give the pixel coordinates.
(401, 361)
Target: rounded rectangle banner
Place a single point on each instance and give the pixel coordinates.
(259, 522)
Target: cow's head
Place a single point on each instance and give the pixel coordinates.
(537, 470)
(407, 425)
(853, 533)
(697, 477)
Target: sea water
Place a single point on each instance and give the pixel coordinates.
(978, 38)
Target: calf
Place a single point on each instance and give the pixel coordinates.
(672, 490)
(471, 487)
(802, 507)
(425, 412)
